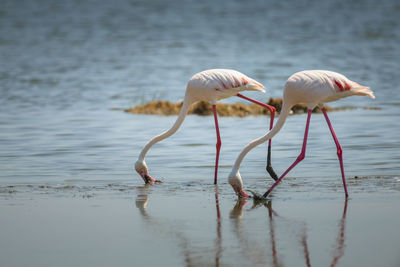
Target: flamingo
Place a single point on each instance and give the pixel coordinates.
(209, 85)
(314, 88)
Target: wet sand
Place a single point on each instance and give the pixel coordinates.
(199, 224)
(237, 109)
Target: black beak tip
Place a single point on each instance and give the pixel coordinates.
(257, 197)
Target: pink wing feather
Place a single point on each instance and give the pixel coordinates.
(343, 84)
(230, 79)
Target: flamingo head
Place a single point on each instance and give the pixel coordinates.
(141, 169)
(235, 180)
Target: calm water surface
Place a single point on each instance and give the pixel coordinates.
(67, 69)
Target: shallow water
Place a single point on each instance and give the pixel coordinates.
(68, 69)
(198, 224)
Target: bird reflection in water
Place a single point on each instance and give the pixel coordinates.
(271, 212)
(338, 252)
(218, 241)
(193, 256)
(163, 227)
(251, 249)
(141, 200)
(254, 251)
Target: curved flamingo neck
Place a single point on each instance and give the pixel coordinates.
(182, 114)
(285, 111)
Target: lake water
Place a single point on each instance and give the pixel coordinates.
(68, 69)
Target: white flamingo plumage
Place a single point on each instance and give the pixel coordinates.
(312, 87)
(209, 85)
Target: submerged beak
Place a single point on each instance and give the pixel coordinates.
(147, 179)
(241, 193)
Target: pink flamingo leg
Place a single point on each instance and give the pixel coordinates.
(269, 168)
(339, 150)
(218, 145)
(271, 124)
(299, 158)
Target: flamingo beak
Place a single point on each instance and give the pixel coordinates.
(148, 179)
(241, 193)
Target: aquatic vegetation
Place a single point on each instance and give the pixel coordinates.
(236, 110)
